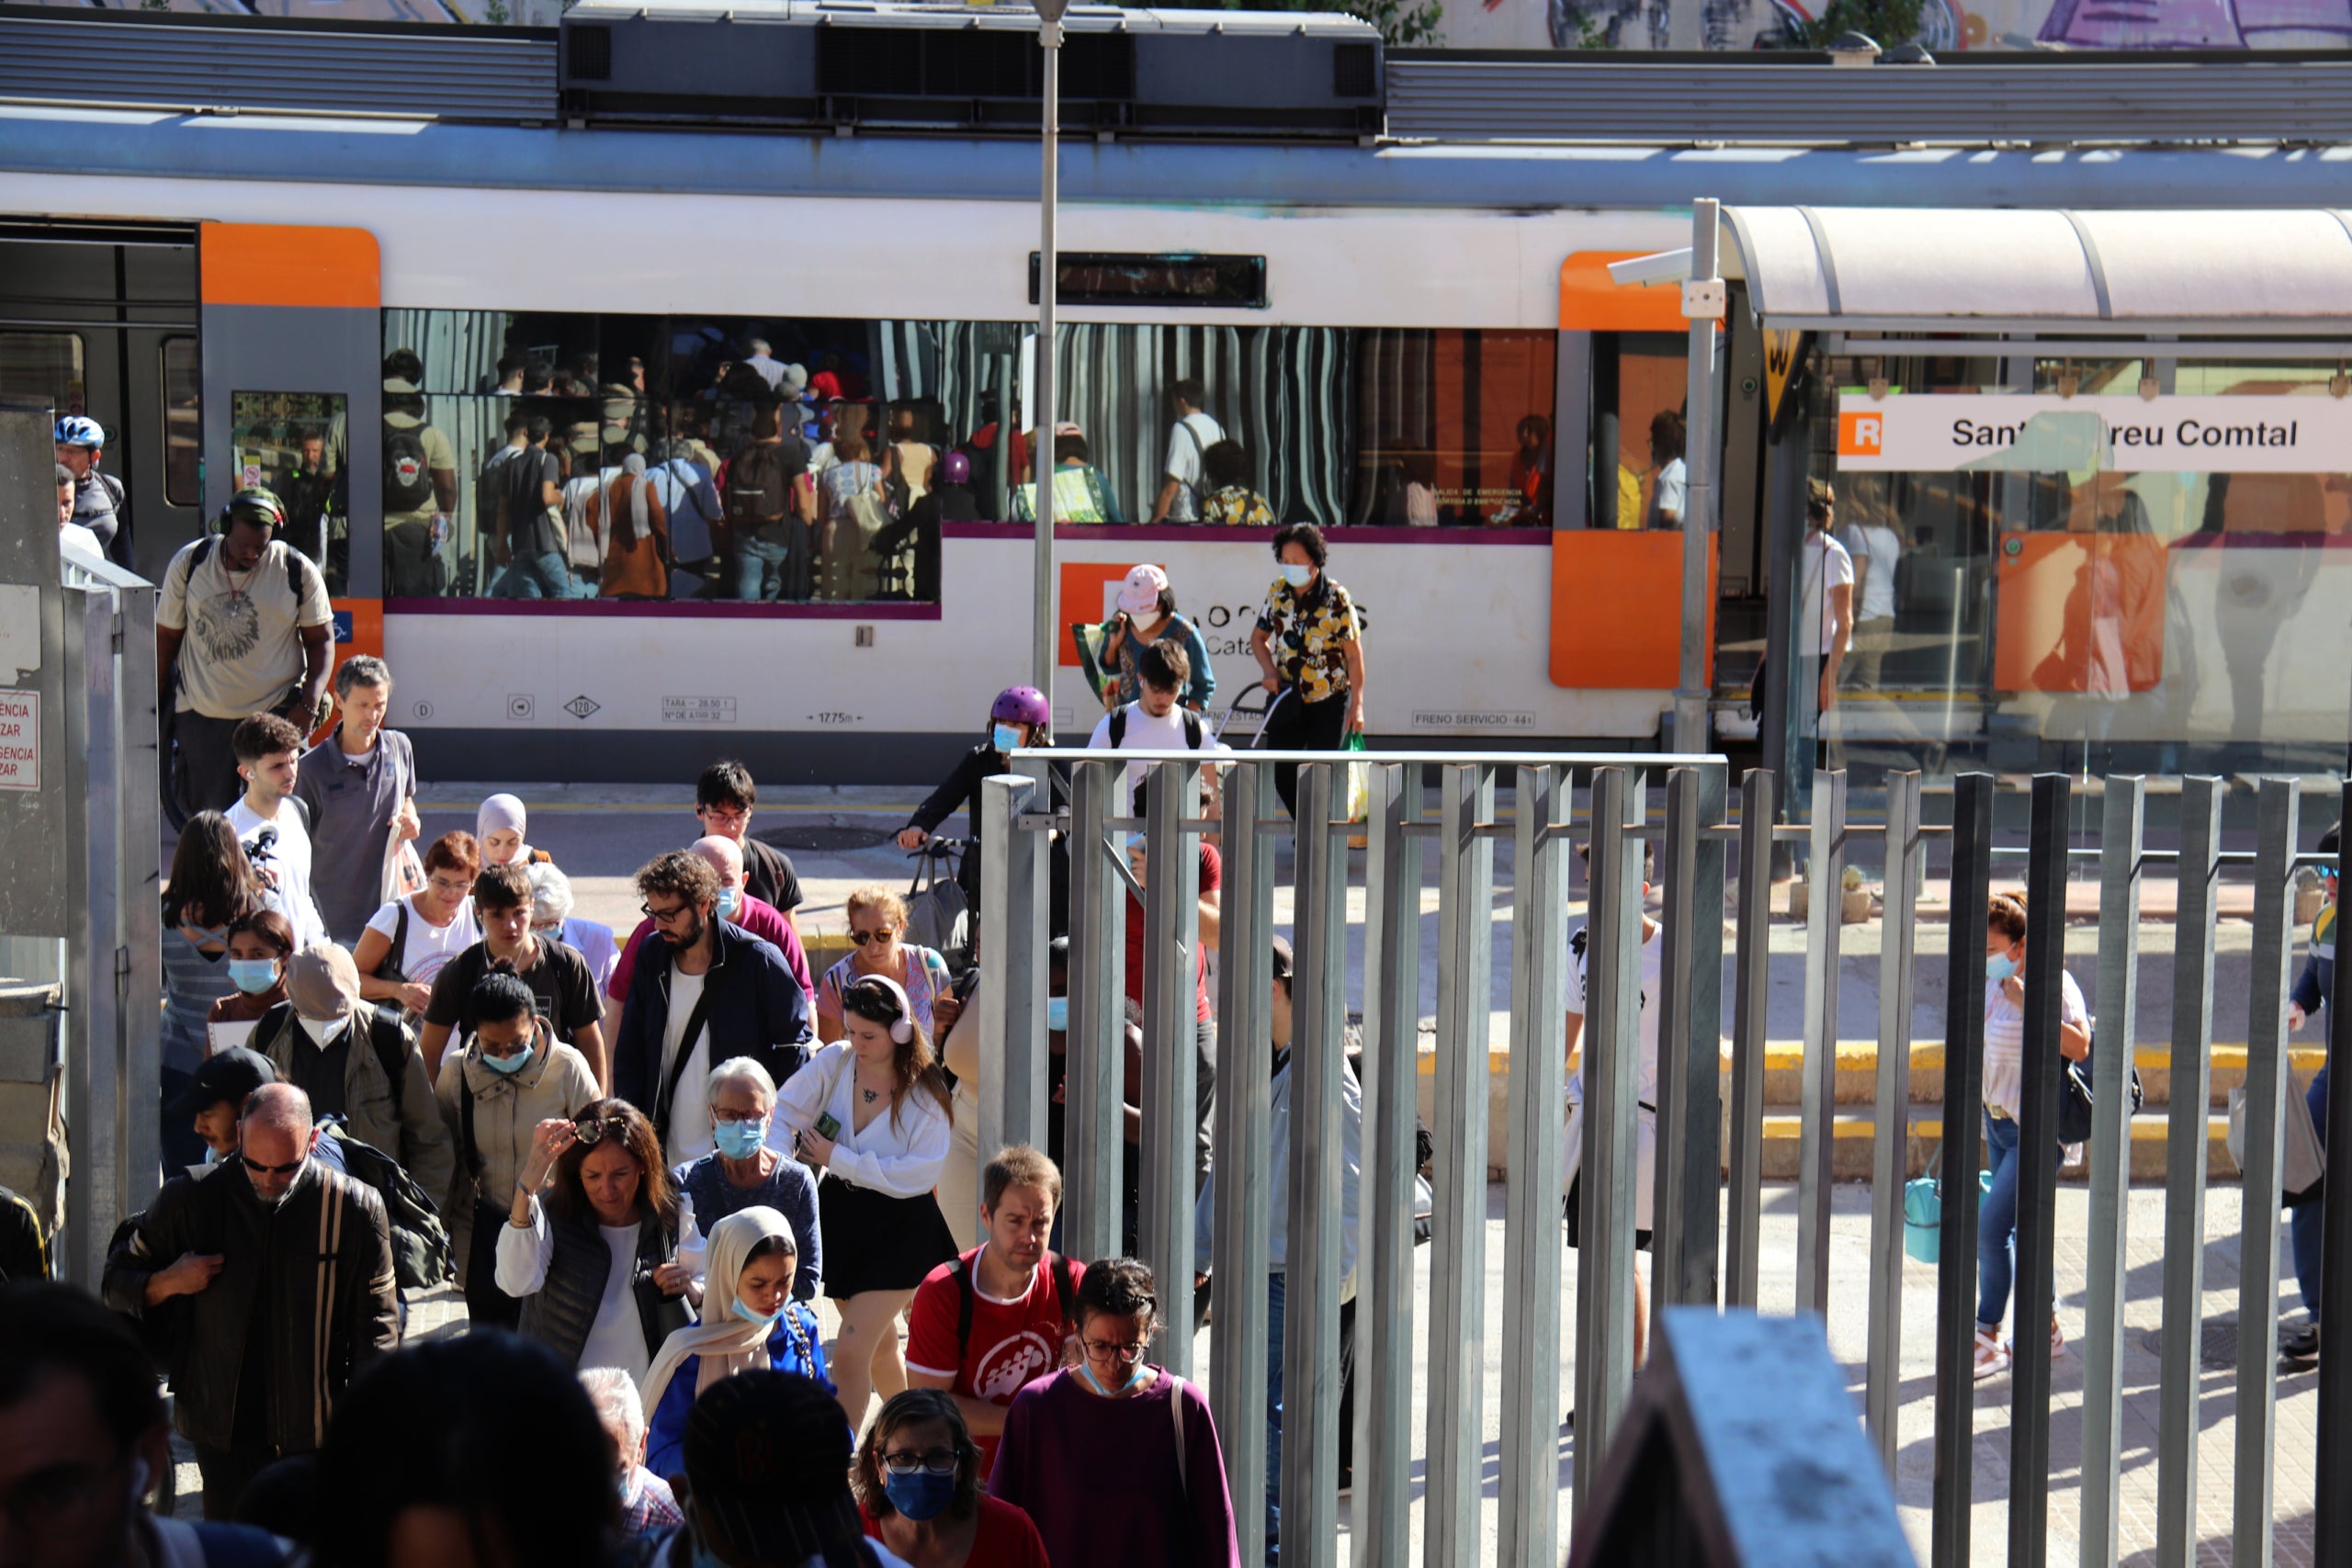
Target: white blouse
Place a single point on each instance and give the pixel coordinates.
(617, 1337)
(900, 1154)
(2005, 1041)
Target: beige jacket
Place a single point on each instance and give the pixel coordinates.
(507, 1108)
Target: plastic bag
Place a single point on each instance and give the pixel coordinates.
(1359, 779)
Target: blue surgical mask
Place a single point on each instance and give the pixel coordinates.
(1297, 576)
(1087, 1371)
(729, 900)
(2000, 966)
(507, 1065)
(1058, 1013)
(1005, 738)
(739, 1140)
(921, 1495)
(253, 976)
(757, 1320)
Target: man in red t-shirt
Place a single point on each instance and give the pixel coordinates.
(1204, 1026)
(1000, 1316)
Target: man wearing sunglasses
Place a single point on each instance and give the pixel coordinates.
(295, 1296)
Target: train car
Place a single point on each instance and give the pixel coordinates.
(1412, 341)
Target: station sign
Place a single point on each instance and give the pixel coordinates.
(1929, 432)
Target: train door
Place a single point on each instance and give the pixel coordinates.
(100, 319)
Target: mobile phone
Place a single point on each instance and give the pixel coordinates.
(829, 1126)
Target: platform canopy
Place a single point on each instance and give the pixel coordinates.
(1846, 268)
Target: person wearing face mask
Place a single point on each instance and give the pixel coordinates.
(357, 1062)
(877, 922)
(737, 906)
(259, 945)
(918, 1482)
(512, 1075)
(2004, 1092)
(649, 1507)
(701, 981)
(747, 1319)
(291, 1293)
(212, 886)
(1164, 1502)
(552, 920)
(562, 987)
(1020, 717)
(746, 1171)
(1310, 645)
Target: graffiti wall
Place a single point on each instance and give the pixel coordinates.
(1946, 25)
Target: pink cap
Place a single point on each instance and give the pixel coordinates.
(1144, 586)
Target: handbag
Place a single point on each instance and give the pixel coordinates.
(938, 915)
(2075, 1096)
(2303, 1165)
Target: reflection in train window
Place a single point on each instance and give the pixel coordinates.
(183, 422)
(47, 366)
(295, 444)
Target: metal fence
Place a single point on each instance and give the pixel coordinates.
(1417, 809)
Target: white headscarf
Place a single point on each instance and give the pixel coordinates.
(499, 814)
(726, 1342)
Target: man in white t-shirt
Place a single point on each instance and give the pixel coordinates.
(1876, 548)
(1157, 721)
(1645, 1090)
(1826, 609)
(1670, 488)
(1186, 476)
(269, 755)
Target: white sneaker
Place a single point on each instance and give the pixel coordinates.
(1992, 1356)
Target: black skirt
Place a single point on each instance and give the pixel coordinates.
(875, 1242)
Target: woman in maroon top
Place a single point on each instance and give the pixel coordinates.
(1116, 1460)
(918, 1485)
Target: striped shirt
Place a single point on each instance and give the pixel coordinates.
(2005, 1042)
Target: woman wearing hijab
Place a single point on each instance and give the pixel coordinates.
(499, 827)
(747, 1319)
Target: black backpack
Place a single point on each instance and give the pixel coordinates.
(1193, 728)
(296, 563)
(408, 477)
(422, 1256)
(759, 483)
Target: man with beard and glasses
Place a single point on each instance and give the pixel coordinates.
(705, 989)
(270, 1280)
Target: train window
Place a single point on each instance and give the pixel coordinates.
(1453, 428)
(47, 366)
(295, 443)
(183, 382)
(1134, 278)
(1639, 381)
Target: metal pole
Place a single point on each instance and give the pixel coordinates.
(2334, 1528)
(1699, 458)
(1687, 1212)
(1238, 1345)
(2180, 1377)
(1972, 880)
(1049, 39)
(141, 817)
(1605, 1260)
(1094, 1144)
(2267, 1080)
(1171, 904)
(1013, 974)
(1891, 1133)
(1817, 1130)
(93, 1198)
(2124, 819)
(1310, 1348)
(1458, 1217)
(2045, 964)
(1531, 1387)
(1378, 1532)
(1751, 999)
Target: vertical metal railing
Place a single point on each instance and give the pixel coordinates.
(1955, 1434)
(1171, 922)
(2332, 1532)
(2267, 1080)
(2037, 1171)
(1689, 1207)
(1095, 1069)
(2124, 816)
(1012, 958)
(1750, 1023)
(1818, 1129)
(1890, 1162)
(2180, 1339)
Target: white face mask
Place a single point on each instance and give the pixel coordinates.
(323, 1034)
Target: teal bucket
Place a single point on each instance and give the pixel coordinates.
(1923, 1215)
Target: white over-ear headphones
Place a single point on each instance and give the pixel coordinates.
(902, 1028)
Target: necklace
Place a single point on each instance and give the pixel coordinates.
(870, 1095)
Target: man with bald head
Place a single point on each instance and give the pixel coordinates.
(270, 1278)
(737, 906)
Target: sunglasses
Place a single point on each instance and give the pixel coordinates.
(260, 1169)
(861, 938)
(588, 1134)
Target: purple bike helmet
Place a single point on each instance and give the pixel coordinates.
(1022, 704)
(958, 470)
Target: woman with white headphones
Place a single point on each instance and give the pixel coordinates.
(872, 1112)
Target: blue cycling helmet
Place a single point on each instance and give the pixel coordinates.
(80, 430)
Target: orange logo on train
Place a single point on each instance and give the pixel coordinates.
(1861, 435)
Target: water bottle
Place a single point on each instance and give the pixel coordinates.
(693, 1251)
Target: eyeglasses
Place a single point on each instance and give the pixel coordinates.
(861, 938)
(260, 1169)
(1104, 1350)
(662, 917)
(454, 889)
(906, 1461)
(727, 1118)
(588, 1134)
(720, 816)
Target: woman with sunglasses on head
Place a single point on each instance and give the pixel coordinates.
(872, 1112)
(878, 919)
(2003, 1095)
(747, 1319)
(595, 1263)
(1164, 1502)
(413, 938)
(918, 1487)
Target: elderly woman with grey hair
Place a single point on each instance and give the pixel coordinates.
(649, 1508)
(551, 916)
(358, 787)
(744, 1171)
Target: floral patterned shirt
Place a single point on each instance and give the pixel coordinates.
(1237, 506)
(1309, 635)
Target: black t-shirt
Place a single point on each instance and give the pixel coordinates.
(562, 990)
(767, 876)
(530, 532)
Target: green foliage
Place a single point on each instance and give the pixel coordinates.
(1403, 22)
(496, 13)
(1889, 22)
